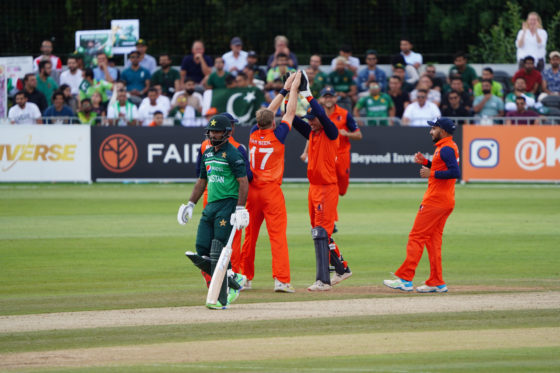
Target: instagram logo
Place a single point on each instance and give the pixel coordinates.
(484, 153)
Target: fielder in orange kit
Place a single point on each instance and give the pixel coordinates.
(323, 137)
(437, 205)
(266, 200)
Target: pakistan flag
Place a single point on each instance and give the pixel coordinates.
(242, 103)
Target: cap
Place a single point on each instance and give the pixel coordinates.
(398, 66)
(327, 91)
(236, 41)
(141, 42)
(219, 123)
(554, 54)
(310, 115)
(251, 54)
(231, 118)
(445, 124)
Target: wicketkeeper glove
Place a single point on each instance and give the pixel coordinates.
(304, 88)
(240, 218)
(185, 213)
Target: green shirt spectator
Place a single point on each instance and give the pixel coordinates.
(460, 67)
(167, 77)
(45, 84)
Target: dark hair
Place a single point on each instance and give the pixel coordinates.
(87, 99)
(133, 52)
(422, 90)
(99, 53)
(152, 89)
(164, 54)
(88, 72)
(43, 63)
(528, 58)
(406, 38)
(398, 58)
(26, 77)
(158, 112)
(282, 55)
(453, 91)
(520, 77)
(396, 77)
(489, 81)
(489, 69)
(459, 54)
(456, 77)
(189, 80)
(346, 48)
(520, 98)
(230, 79)
(57, 93)
(242, 74)
(72, 57)
(63, 87)
(20, 93)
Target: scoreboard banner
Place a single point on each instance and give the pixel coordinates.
(45, 153)
(511, 153)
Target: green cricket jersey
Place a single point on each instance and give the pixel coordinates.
(221, 169)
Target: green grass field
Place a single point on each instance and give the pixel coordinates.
(106, 246)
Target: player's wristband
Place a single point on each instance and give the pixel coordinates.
(309, 98)
(425, 163)
(283, 92)
(239, 207)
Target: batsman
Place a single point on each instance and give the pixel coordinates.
(224, 174)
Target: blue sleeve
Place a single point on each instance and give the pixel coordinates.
(328, 126)
(301, 127)
(281, 132)
(383, 80)
(243, 152)
(362, 79)
(447, 155)
(351, 123)
(198, 161)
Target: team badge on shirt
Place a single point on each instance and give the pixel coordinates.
(222, 223)
(223, 154)
(208, 169)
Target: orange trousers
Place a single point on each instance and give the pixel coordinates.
(323, 200)
(426, 231)
(343, 172)
(266, 203)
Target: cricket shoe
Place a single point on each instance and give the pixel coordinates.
(240, 279)
(432, 289)
(248, 285)
(216, 306)
(339, 278)
(232, 295)
(319, 286)
(399, 284)
(283, 287)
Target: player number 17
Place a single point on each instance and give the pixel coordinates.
(267, 153)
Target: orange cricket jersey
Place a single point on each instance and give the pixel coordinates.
(266, 156)
(338, 117)
(441, 192)
(321, 159)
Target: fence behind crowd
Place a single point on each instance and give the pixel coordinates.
(70, 153)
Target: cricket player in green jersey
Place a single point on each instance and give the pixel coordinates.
(223, 170)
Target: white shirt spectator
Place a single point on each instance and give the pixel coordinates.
(353, 61)
(162, 101)
(73, 80)
(230, 61)
(531, 47)
(146, 112)
(128, 111)
(419, 116)
(433, 96)
(28, 115)
(413, 58)
(194, 100)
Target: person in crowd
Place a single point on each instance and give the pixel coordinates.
(24, 112)
(455, 107)
(371, 73)
(32, 93)
(137, 78)
(45, 83)
(194, 98)
(457, 85)
(514, 117)
(144, 59)
(341, 79)
(97, 105)
(58, 113)
(86, 115)
(350, 62)
(400, 98)
(488, 105)
(410, 57)
(377, 105)
(551, 76)
(230, 81)
(410, 73)
(122, 112)
(69, 99)
(196, 65)
(162, 100)
(148, 108)
(217, 78)
(46, 55)
(157, 119)
(166, 76)
(90, 85)
(281, 68)
(250, 70)
(488, 74)
(281, 47)
(269, 94)
(425, 82)
(431, 72)
(183, 114)
(461, 67)
(317, 78)
(242, 80)
(519, 89)
(400, 72)
(236, 59)
(73, 76)
(532, 76)
(253, 59)
(103, 71)
(420, 111)
(531, 41)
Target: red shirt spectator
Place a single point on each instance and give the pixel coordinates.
(532, 76)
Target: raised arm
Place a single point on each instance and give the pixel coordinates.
(292, 101)
(277, 101)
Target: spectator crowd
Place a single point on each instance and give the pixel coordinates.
(146, 92)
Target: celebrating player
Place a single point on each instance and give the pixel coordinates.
(436, 207)
(323, 136)
(266, 200)
(223, 171)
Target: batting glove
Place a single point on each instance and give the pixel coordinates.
(304, 88)
(185, 213)
(240, 218)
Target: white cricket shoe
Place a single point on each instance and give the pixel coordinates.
(248, 285)
(283, 287)
(339, 278)
(319, 286)
(432, 289)
(399, 284)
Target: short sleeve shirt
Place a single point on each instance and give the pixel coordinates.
(135, 79)
(193, 69)
(216, 81)
(341, 82)
(376, 106)
(552, 79)
(467, 76)
(166, 80)
(492, 107)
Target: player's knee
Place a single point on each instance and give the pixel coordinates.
(319, 233)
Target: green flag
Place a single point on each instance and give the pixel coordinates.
(242, 103)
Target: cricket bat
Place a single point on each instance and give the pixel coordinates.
(220, 271)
